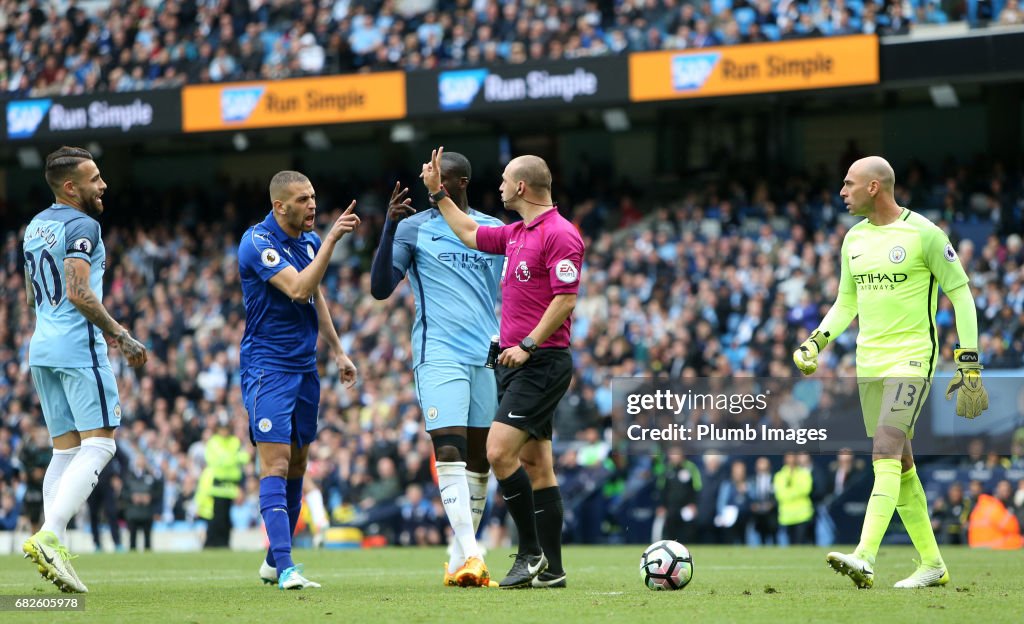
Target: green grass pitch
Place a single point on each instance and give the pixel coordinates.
(731, 584)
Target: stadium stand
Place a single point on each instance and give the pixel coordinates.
(72, 46)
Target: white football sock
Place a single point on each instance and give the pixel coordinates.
(315, 500)
(79, 480)
(477, 495)
(451, 478)
(51, 481)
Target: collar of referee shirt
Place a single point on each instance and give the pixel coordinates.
(553, 210)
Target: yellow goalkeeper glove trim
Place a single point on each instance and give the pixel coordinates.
(972, 398)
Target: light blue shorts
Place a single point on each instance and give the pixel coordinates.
(456, 395)
(77, 399)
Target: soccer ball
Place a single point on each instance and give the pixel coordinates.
(666, 565)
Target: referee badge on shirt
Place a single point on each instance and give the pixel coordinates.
(265, 425)
(566, 271)
(522, 271)
(270, 258)
(897, 254)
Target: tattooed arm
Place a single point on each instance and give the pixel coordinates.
(76, 273)
(29, 291)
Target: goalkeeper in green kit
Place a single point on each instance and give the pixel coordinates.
(893, 263)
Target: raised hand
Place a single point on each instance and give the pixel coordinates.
(400, 205)
(347, 222)
(431, 172)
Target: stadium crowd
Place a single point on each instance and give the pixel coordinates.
(721, 280)
(73, 46)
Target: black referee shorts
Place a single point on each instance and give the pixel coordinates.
(528, 395)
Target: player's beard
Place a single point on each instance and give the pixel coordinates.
(297, 218)
(93, 206)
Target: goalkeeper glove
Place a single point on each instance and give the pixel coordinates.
(806, 357)
(972, 398)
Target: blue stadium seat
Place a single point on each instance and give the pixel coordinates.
(771, 31)
(718, 6)
(745, 16)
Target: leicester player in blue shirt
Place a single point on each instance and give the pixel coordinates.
(455, 289)
(281, 262)
(64, 263)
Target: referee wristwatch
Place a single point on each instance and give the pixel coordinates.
(529, 345)
(439, 195)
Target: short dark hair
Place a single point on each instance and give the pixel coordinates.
(282, 179)
(457, 164)
(62, 163)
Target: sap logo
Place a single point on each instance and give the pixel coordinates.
(239, 103)
(24, 117)
(456, 89)
(691, 71)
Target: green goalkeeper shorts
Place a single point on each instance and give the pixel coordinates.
(893, 402)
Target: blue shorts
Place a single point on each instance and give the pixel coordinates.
(77, 399)
(456, 395)
(282, 406)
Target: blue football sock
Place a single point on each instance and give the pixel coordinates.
(274, 509)
(293, 494)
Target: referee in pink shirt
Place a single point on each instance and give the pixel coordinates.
(543, 258)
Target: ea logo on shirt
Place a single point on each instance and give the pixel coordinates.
(83, 245)
(309, 250)
(522, 271)
(949, 253)
(265, 425)
(432, 413)
(897, 254)
(270, 258)
(566, 271)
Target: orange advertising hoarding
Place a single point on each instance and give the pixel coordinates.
(756, 68)
(294, 102)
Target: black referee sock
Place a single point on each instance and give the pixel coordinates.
(518, 495)
(549, 514)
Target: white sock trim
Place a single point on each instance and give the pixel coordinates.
(478, 482)
(451, 479)
(78, 481)
(101, 444)
(51, 482)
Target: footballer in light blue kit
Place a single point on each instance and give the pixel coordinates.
(281, 262)
(455, 289)
(64, 263)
